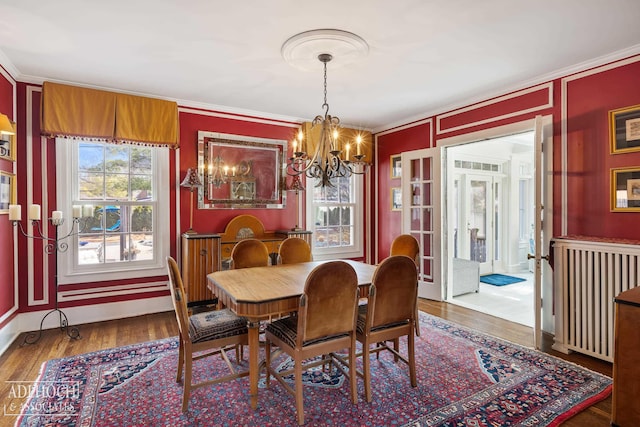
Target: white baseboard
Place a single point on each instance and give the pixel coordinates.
(80, 315)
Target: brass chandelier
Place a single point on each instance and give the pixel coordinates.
(325, 163)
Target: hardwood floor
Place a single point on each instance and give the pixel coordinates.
(23, 363)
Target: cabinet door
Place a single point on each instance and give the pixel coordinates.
(200, 256)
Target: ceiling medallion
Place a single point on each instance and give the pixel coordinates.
(301, 51)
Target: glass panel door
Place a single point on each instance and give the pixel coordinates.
(421, 194)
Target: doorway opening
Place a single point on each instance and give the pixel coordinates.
(490, 224)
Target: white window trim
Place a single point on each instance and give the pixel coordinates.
(354, 251)
(68, 272)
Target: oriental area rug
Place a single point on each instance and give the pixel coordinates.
(464, 379)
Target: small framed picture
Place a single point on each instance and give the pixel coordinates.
(624, 128)
(7, 191)
(8, 147)
(625, 189)
(396, 199)
(395, 166)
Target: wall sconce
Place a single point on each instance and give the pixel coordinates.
(6, 126)
(191, 181)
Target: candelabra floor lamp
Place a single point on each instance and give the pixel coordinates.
(296, 186)
(52, 246)
(192, 182)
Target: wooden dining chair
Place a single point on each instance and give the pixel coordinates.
(407, 245)
(325, 323)
(249, 253)
(389, 315)
(294, 250)
(209, 333)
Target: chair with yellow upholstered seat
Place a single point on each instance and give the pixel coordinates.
(389, 315)
(208, 334)
(325, 323)
(249, 253)
(407, 245)
(294, 250)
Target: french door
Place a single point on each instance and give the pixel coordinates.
(477, 220)
(421, 215)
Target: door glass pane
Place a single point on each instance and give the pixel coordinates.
(415, 170)
(426, 220)
(478, 220)
(426, 168)
(426, 197)
(415, 195)
(426, 268)
(415, 218)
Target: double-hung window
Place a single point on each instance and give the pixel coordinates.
(120, 193)
(334, 215)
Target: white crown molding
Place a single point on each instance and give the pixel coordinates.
(8, 65)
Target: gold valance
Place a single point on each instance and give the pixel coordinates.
(71, 111)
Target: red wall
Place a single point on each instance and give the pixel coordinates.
(589, 159)
(392, 144)
(7, 288)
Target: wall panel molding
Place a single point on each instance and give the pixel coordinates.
(546, 89)
(564, 105)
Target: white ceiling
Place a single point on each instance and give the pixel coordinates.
(425, 56)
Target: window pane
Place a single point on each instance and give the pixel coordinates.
(90, 186)
(347, 215)
(347, 236)
(333, 236)
(332, 194)
(334, 215)
(318, 194)
(141, 160)
(141, 219)
(141, 187)
(144, 245)
(321, 216)
(345, 190)
(117, 158)
(90, 157)
(88, 249)
(117, 187)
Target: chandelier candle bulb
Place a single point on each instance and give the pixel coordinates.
(34, 212)
(77, 211)
(87, 210)
(348, 147)
(15, 212)
(56, 215)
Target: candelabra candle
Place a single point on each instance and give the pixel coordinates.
(34, 212)
(15, 212)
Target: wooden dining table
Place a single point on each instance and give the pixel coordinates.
(261, 293)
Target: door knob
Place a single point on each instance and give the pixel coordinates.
(546, 257)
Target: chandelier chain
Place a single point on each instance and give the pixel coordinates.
(325, 106)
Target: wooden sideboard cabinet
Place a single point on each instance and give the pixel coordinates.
(200, 256)
(626, 360)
